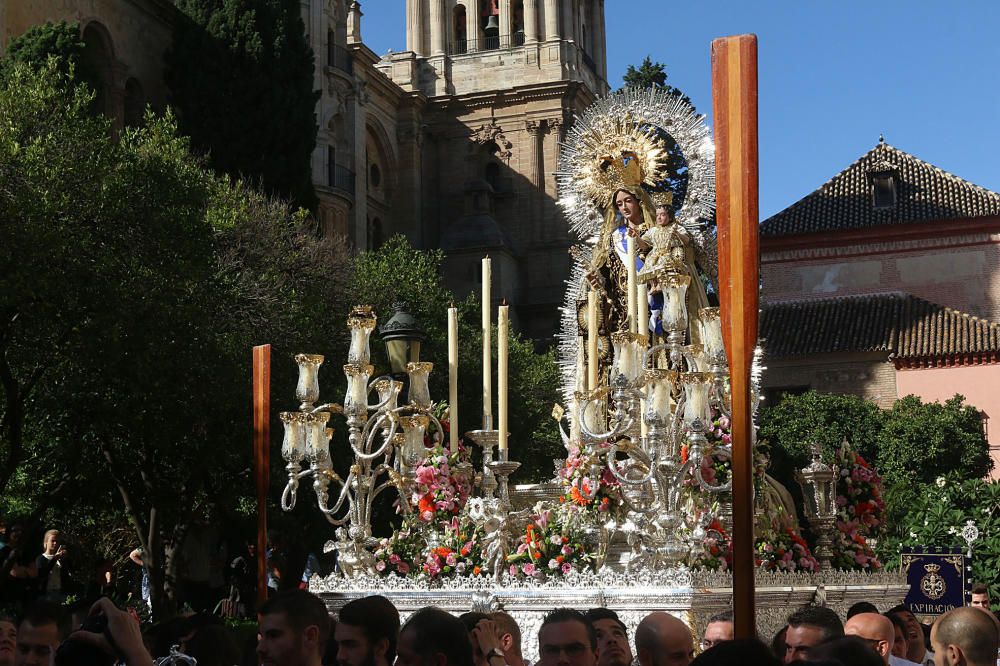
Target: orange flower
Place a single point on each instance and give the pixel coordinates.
(442, 551)
(476, 571)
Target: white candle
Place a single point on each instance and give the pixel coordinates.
(591, 339)
(487, 351)
(453, 378)
(581, 365)
(503, 328)
(711, 332)
(642, 302)
(630, 300)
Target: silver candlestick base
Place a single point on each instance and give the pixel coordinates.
(487, 439)
(502, 469)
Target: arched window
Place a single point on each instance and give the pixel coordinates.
(458, 23)
(375, 239)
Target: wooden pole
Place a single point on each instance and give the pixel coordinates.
(734, 103)
(261, 456)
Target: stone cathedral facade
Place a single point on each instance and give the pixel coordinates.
(453, 142)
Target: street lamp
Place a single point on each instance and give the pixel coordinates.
(402, 336)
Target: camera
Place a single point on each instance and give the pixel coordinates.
(77, 653)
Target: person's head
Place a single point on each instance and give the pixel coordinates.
(898, 635)
(567, 638)
(613, 648)
(510, 637)
(861, 607)
(293, 628)
(807, 628)
(663, 640)
(52, 541)
(38, 634)
(980, 596)
(470, 620)
(915, 647)
(366, 632)
(432, 637)
(629, 206)
(8, 639)
(737, 651)
(845, 650)
(964, 637)
(874, 628)
(663, 215)
(718, 630)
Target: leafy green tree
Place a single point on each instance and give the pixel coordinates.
(135, 282)
(922, 441)
(651, 75)
(240, 74)
(53, 39)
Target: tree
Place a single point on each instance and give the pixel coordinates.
(651, 75)
(53, 39)
(240, 74)
(923, 441)
(136, 281)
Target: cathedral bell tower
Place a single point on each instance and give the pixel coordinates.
(498, 81)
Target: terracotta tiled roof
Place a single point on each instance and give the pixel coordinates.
(924, 193)
(908, 327)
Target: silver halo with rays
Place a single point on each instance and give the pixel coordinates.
(649, 108)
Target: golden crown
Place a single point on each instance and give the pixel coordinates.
(620, 154)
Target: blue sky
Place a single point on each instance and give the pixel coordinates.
(832, 77)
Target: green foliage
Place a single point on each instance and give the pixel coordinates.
(933, 514)
(651, 75)
(798, 421)
(61, 40)
(240, 73)
(921, 442)
(135, 282)
(397, 272)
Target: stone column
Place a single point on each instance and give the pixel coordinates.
(506, 21)
(569, 22)
(472, 32)
(601, 41)
(415, 26)
(535, 172)
(551, 20)
(530, 21)
(437, 27)
(354, 23)
(550, 212)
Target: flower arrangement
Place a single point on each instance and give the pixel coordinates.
(458, 552)
(859, 511)
(550, 545)
(439, 494)
(588, 483)
(400, 553)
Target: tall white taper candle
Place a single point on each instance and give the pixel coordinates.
(503, 328)
(487, 348)
(453, 378)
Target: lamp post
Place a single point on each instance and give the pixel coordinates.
(819, 490)
(402, 336)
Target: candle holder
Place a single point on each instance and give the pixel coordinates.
(502, 469)
(420, 393)
(487, 440)
(361, 323)
(307, 390)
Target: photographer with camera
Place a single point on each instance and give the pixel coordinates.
(108, 635)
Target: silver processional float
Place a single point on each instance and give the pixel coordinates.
(638, 514)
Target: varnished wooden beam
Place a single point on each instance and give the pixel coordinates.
(261, 456)
(734, 103)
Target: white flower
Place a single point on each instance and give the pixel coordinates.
(940, 482)
(913, 535)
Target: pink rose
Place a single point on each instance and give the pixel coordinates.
(394, 559)
(380, 566)
(567, 567)
(403, 568)
(528, 569)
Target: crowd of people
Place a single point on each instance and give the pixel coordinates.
(295, 629)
